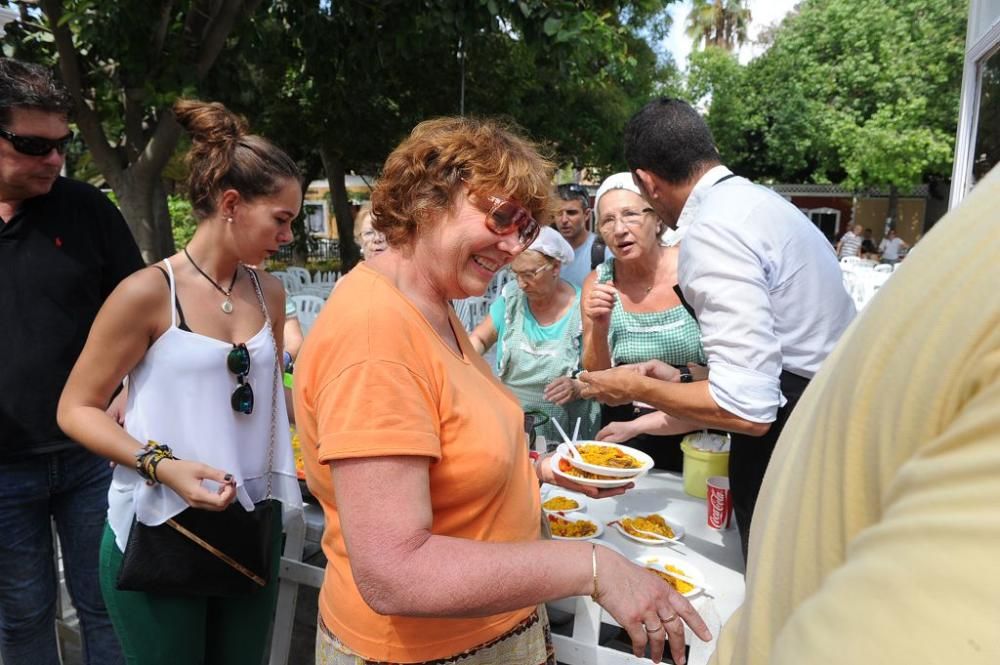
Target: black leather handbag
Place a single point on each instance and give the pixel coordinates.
(201, 553)
(207, 553)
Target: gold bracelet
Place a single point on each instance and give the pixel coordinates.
(595, 596)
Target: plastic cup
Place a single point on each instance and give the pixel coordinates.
(720, 503)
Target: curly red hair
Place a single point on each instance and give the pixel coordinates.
(424, 173)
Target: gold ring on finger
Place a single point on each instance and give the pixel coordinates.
(654, 630)
(669, 618)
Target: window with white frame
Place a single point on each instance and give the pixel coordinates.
(316, 217)
(976, 142)
(986, 153)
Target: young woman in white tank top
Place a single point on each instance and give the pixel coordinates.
(171, 328)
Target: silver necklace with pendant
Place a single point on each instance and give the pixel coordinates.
(227, 304)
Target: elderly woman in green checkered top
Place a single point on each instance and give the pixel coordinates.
(631, 314)
(536, 325)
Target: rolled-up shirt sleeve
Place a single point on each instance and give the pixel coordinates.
(725, 281)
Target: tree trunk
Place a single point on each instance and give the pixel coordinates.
(163, 225)
(334, 167)
(143, 202)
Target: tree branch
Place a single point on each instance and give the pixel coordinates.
(160, 146)
(134, 135)
(86, 117)
(160, 31)
(218, 29)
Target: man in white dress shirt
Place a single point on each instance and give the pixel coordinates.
(762, 280)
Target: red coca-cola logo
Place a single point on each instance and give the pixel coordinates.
(719, 505)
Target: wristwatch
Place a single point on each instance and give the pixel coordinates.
(686, 376)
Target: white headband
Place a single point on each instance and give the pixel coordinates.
(621, 180)
(550, 243)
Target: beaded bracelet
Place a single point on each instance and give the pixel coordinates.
(149, 457)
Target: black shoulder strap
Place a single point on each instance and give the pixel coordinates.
(181, 323)
(597, 252)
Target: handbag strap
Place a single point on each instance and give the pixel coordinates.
(274, 380)
(215, 551)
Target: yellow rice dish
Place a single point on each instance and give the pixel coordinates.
(608, 456)
(681, 586)
(560, 503)
(571, 470)
(652, 523)
(566, 529)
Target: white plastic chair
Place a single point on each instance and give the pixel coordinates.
(319, 290)
(869, 285)
(301, 274)
(309, 308)
(471, 311)
(329, 278)
(291, 284)
(499, 281)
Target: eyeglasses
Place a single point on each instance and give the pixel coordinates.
(36, 146)
(627, 217)
(531, 274)
(238, 362)
(508, 216)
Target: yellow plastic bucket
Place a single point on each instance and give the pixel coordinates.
(699, 466)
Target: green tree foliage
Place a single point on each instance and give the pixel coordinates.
(124, 62)
(857, 92)
(183, 219)
(345, 82)
(338, 84)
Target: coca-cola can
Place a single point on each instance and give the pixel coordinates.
(720, 502)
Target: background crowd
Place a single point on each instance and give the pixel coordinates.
(702, 301)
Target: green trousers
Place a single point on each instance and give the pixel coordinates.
(157, 629)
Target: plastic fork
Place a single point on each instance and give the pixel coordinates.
(707, 590)
(649, 535)
(569, 450)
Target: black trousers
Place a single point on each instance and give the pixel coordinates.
(749, 456)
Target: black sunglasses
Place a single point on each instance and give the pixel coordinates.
(238, 362)
(36, 146)
(574, 190)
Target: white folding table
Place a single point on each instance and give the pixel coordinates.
(716, 554)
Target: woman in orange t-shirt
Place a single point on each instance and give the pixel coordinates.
(417, 452)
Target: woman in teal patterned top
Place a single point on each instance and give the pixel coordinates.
(537, 327)
(631, 312)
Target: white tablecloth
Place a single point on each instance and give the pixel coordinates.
(716, 554)
(863, 281)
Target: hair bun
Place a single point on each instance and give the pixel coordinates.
(210, 123)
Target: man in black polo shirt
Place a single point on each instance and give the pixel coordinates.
(63, 249)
